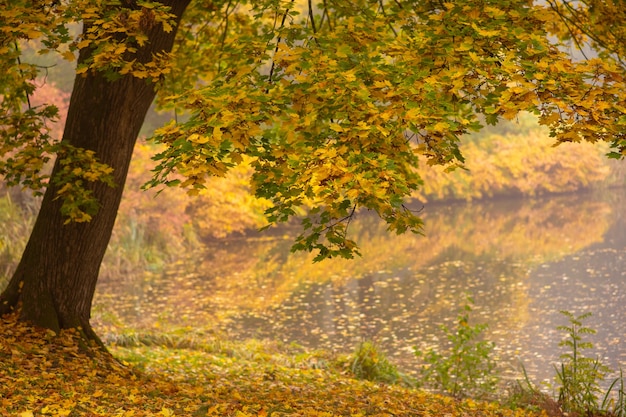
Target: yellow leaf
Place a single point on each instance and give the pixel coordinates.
(140, 73)
(68, 56)
(361, 125)
(474, 56)
(228, 116)
(82, 44)
(32, 33)
(440, 126)
(26, 414)
(65, 189)
(382, 130)
(466, 45)
(483, 32)
(510, 114)
(382, 84)
(353, 194)
(336, 127)
(494, 12)
(217, 134)
(349, 76)
(200, 139)
(166, 412)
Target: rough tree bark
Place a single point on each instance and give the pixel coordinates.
(54, 283)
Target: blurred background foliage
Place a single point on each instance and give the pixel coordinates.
(519, 158)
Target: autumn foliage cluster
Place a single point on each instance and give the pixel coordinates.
(335, 106)
(154, 228)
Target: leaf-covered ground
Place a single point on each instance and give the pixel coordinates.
(43, 374)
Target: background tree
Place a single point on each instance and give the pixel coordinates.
(335, 104)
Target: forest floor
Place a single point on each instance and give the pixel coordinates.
(48, 374)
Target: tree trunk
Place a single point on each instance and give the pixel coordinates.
(54, 283)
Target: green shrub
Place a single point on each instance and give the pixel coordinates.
(579, 376)
(368, 362)
(578, 380)
(465, 368)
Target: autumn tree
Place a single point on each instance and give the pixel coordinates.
(121, 53)
(334, 103)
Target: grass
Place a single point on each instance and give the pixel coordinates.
(16, 223)
(44, 374)
(187, 372)
(135, 246)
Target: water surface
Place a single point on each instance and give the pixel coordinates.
(522, 261)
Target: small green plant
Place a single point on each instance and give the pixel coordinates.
(525, 394)
(368, 362)
(579, 376)
(466, 368)
(616, 405)
(579, 379)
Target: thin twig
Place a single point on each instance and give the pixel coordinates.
(565, 20)
(349, 219)
(312, 17)
(327, 16)
(382, 10)
(19, 63)
(282, 25)
(225, 33)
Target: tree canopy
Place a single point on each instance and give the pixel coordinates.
(335, 102)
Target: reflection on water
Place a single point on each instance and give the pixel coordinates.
(522, 261)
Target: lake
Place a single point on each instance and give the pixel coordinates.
(522, 261)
